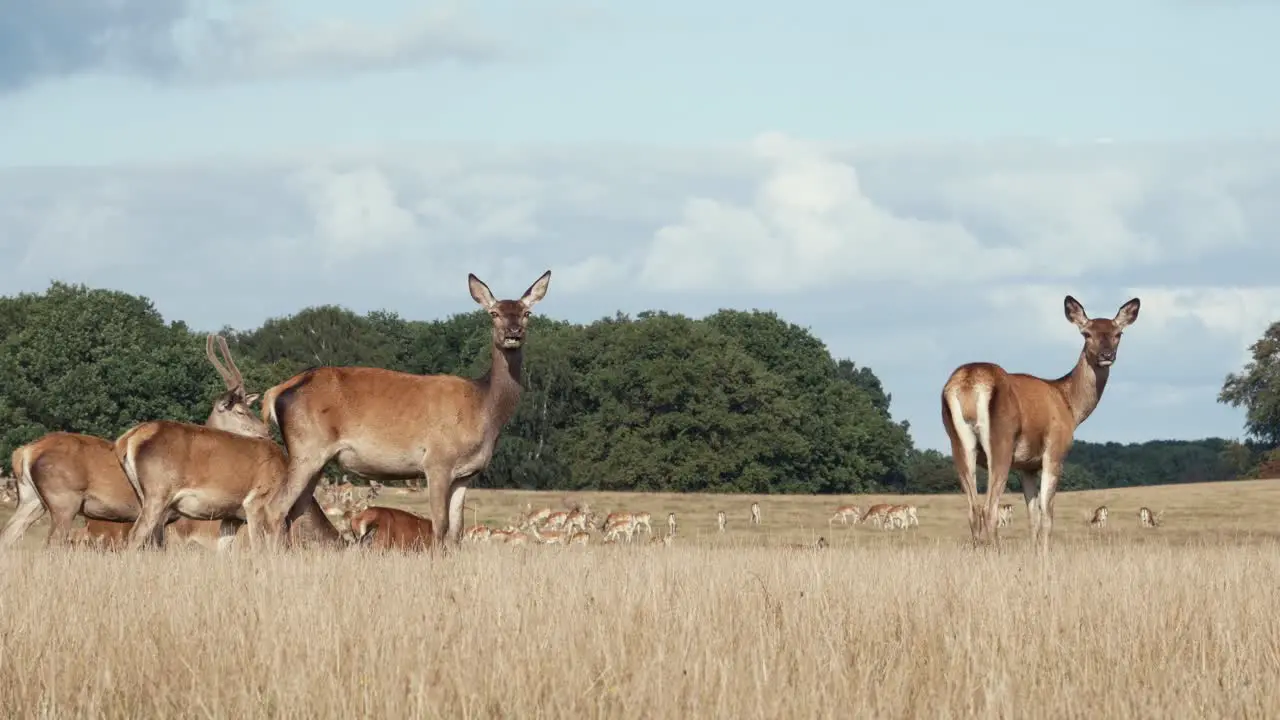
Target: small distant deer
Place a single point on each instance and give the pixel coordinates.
(1099, 519)
(1004, 421)
(819, 545)
(671, 524)
(755, 513)
(1148, 519)
(1006, 515)
(844, 513)
(721, 519)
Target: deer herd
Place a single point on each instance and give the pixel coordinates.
(227, 481)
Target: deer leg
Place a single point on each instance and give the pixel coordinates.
(30, 509)
(301, 480)
(62, 516)
(149, 528)
(1050, 471)
(439, 478)
(964, 454)
(457, 497)
(999, 460)
(1031, 493)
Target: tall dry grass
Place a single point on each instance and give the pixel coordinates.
(927, 629)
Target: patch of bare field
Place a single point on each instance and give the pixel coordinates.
(1179, 621)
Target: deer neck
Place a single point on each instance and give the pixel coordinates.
(1082, 388)
(501, 388)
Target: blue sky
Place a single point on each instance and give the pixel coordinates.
(919, 184)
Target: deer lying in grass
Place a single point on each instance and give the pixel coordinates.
(1099, 519)
(1006, 421)
(1147, 519)
(819, 545)
(384, 528)
(383, 423)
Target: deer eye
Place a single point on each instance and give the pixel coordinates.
(527, 313)
(493, 313)
(1087, 335)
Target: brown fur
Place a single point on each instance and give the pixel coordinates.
(225, 470)
(68, 474)
(392, 425)
(385, 528)
(1028, 422)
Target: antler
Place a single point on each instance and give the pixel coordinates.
(230, 375)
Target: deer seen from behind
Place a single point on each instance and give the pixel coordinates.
(388, 424)
(1004, 421)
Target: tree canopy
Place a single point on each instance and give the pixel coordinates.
(739, 401)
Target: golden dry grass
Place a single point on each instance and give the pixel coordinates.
(1181, 621)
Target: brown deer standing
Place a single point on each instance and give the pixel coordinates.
(1005, 421)
(223, 470)
(68, 474)
(395, 425)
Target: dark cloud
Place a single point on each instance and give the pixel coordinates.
(65, 37)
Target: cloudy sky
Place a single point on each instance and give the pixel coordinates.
(919, 184)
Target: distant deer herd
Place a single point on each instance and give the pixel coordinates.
(227, 479)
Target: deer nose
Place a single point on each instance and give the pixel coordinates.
(1108, 354)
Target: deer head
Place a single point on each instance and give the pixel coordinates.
(510, 317)
(231, 411)
(1101, 335)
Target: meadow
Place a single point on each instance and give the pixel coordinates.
(1177, 621)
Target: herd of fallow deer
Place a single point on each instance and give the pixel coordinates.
(227, 479)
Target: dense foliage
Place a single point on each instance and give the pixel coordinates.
(734, 402)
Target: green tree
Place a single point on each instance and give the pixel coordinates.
(1257, 388)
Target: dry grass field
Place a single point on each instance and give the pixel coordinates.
(1178, 621)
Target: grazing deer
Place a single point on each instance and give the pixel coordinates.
(877, 515)
(1005, 421)
(389, 424)
(1006, 515)
(755, 513)
(721, 519)
(671, 524)
(844, 512)
(642, 521)
(552, 537)
(1148, 519)
(223, 470)
(1099, 519)
(384, 528)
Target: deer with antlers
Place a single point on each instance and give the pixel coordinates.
(1006, 421)
(223, 470)
(755, 513)
(395, 425)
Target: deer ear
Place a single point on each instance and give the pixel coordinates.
(1128, 313)
(1075, 312)
(480, 292)
(252, 398)
(537, 290)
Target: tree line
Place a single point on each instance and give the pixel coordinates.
(738, 401)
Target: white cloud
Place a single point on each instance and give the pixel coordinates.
(356, 211)
(909, 260)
